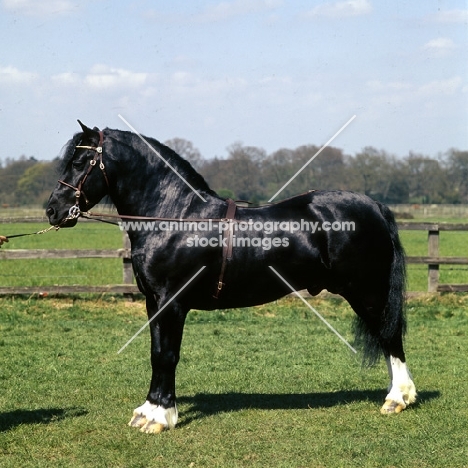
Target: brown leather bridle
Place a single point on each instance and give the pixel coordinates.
(75, 209)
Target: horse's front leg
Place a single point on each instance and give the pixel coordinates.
(159, 412)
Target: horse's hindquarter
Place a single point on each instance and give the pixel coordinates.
(325, 240)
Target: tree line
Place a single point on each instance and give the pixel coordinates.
(250, 173)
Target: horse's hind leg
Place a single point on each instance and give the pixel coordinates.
(159, 412)
(401, 391)
(381, 337)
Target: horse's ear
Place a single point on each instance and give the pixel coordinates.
(84, 127)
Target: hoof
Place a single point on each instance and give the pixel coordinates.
(153, 419)
(152, 427)
(392, 407)
(138, 420)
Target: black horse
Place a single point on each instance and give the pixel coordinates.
(340, 241)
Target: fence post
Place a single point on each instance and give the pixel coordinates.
(433, 251)
(127, 261)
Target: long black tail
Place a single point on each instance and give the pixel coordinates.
(392, 326)
(395, 309)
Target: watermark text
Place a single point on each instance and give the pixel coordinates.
(267, 227)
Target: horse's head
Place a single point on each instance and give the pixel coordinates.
(83, 180)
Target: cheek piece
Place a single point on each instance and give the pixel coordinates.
(75, 211)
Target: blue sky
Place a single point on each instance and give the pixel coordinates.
(268, 73)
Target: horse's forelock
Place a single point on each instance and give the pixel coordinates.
(67, 152)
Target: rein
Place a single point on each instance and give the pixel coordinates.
(99, 216)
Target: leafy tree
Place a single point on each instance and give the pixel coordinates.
(427, 180)
(277, 169)
(245, 168)
(36, 183)
(324, 170)
(9, 176)
(249, 173)
(378, 175)
(457, 171)
(226, 193)
(186, 149)
(241, 172)
(216, 173)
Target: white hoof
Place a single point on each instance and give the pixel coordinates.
(153, 419)
(402, 391)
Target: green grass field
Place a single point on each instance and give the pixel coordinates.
(93, 235)
(267, 386)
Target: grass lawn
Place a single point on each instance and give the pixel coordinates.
(267, 386)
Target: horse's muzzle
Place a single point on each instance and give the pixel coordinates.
(59, 217)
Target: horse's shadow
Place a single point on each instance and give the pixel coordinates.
(11, 419)
(207, 404)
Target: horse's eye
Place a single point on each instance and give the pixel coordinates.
(79, 163)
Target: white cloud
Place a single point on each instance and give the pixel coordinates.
(11, 75)
(441, 87)
(408, 91)
(340, 9)
(39, 8)
(431, 97)
(376, 85)
(66, 79)
(450, 16)
(230, 9)
(182, 83)
(104, 77)
(440, 47)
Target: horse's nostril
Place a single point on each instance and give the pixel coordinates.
(50, 212)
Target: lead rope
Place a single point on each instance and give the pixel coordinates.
(73, 213)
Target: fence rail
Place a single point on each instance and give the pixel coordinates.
(432, 260)
(128, 285)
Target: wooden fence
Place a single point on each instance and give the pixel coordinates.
(127, 286)
(432, 260)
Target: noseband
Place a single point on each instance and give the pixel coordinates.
(75, 209)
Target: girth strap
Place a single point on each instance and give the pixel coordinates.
(227, 243)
